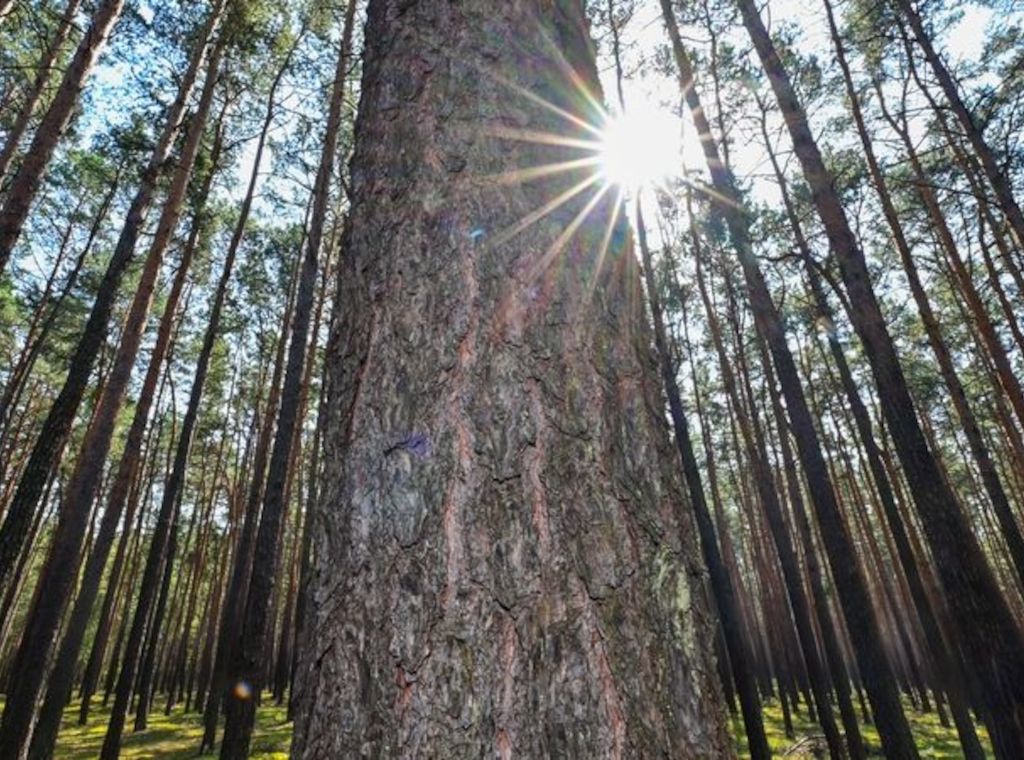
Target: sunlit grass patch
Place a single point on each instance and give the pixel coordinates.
(933, 739)
(174, 737)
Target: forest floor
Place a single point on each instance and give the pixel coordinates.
(176, 737)
(173, 737)
(933, 740)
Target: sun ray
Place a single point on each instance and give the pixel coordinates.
(540, 137)
(545, 103)
(559, 243)
(539, 213)
(606, 240)
(519, 176)
(704, 187)
(572, 74)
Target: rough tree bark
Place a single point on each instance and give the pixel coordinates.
(503, 561)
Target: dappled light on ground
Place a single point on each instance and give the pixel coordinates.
(173, 737)
(934, 742)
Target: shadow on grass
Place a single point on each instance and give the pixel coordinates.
(934, 741)
(168, 737)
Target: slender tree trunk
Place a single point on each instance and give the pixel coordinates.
(90, 463)
(53, 435)
(753, 441)
(234, 599)
(214, 618)
(35, 332)
(992, 643)
(484, 533)
(248, 658)
(996, 176)
(61, 569)
(312, 499)
(235, 596)
(721, 583)
(830, 641)
(39, 332)
(35, 92)
(969, 422)
(26, 181)
(106, 622)
(949, 674)
(147, 666)
(167, 519)
(861, 622)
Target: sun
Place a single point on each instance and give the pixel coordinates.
(639, 148)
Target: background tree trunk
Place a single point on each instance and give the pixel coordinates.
(26, 181)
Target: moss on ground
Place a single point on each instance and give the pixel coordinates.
(173, 737)
(176, 737)
(933, 740)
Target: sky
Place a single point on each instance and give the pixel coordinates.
(119, 70)
(645, 33)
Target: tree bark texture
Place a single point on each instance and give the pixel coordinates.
(503, 560)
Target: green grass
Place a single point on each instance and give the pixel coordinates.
(933, 741)
(173, 737)
(176, 737)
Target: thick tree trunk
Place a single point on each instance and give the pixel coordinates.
(991, 642)
(498, 561)
(22, 190)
